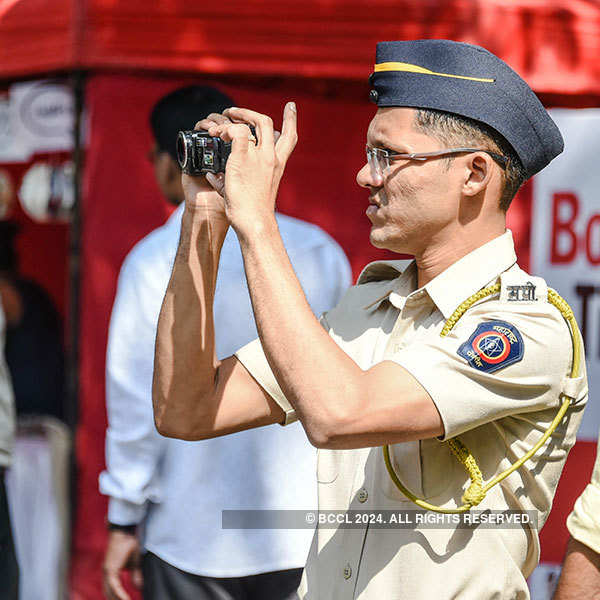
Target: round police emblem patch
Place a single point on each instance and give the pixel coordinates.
(492, 346)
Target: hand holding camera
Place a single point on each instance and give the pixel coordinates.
(199, 153)
(255, 156)
(199, 191)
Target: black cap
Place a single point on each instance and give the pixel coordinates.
(470, 81)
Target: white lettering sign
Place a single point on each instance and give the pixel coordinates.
(565, 244)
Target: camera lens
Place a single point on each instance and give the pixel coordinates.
(183, 145)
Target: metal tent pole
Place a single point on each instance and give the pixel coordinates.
(74, 260)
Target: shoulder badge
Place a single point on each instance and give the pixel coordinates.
(522, 288)
(492, 346)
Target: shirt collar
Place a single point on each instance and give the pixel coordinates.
(177, 213)
(471, 273)
(397, 274)
(451, 287)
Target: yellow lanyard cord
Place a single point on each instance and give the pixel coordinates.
(476, 491)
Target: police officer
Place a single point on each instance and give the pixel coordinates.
(402, 361)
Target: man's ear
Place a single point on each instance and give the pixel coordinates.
(479, 168)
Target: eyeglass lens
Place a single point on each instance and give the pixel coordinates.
(378, 161)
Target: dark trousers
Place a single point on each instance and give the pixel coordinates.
(9, 569)
(162, 581)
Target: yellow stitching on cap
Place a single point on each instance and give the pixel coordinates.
(400, 66)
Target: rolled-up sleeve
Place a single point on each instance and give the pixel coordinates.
(254, 360)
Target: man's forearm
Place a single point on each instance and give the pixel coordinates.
(580, 577)
(185, 361)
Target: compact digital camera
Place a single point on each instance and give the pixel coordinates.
(199, 153)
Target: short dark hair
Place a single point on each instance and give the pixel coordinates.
(181, 110)
(456, 130)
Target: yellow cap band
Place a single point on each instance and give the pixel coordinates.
(407, 67)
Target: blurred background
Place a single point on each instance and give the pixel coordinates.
(78, 79)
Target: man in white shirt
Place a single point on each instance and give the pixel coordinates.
(177, 489)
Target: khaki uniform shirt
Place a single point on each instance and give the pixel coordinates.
(584, 522)
(499, 411)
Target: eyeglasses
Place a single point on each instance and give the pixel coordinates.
(379, 160)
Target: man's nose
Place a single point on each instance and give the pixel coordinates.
(367, 179)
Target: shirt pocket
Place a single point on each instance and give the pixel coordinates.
(426, 468)
(405, 459)
(442, 475)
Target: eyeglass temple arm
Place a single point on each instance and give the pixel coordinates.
(426, 155)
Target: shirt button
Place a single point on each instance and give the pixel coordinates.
(347, 571)
(363, 495)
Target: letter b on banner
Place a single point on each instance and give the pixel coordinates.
(564, 238)
(566, 242)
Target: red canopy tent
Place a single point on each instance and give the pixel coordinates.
(554, 44)
(263, 52)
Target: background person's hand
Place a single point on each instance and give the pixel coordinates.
(122, 554)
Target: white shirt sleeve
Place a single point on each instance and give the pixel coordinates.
(133, 446)
(324, 274)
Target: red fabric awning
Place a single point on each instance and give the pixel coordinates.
(553, 44)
